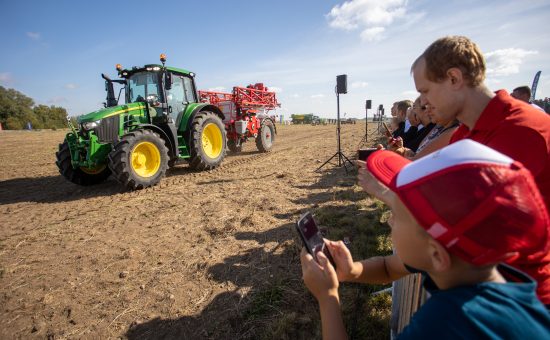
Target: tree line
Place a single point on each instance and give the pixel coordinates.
(17, 110)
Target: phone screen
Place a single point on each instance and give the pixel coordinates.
(312, 238)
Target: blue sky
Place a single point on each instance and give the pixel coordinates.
(55, 51)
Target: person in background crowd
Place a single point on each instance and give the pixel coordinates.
(438, 137)
(401, 112)
(449, 76)
(523, 93)
(424, 128)
(457, 250)
(394, 123)
(415, 124)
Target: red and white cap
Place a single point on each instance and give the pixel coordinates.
(478, 203)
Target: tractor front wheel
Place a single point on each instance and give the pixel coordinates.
(208, 141)
(81, 175)
(264, 140)
(139, 160)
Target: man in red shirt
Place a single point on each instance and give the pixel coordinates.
(449, 76)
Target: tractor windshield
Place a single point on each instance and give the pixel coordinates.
(142, 85)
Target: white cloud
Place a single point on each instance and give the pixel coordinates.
(71, 86)
(217, 89)
(506, 61)
(33, 35)
(6, 78)
(315, 96)
(275, 89)
(372, 16)
(295, 95)
(372, 34)
(359, 84)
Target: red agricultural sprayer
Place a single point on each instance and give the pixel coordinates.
(246, 115)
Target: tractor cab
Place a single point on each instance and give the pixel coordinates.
(166, 90)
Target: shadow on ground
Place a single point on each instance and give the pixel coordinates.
(270, 300)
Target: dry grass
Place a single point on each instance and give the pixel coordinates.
(210, 255)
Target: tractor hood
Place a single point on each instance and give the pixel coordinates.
(110, 111)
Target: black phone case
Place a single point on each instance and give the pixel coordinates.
(326, 251)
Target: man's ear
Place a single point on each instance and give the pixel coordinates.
(455, 76)
(439, 256)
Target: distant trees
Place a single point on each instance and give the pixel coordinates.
(16, 110)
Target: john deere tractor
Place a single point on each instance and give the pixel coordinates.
(161, 122)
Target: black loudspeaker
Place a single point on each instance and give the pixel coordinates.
(369, 104)
(380, 107)
(342, 83)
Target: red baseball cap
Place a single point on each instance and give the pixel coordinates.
(478, 203)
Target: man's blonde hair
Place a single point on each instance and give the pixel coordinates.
(454, 51)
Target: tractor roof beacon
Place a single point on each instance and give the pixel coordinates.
(160, 122)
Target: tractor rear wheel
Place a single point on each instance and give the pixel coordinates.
(139, 160)
(81, 175)
(264, 140)
(208, 141)
(232, 146)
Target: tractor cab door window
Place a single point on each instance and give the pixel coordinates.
(175, 98)
(190, 93)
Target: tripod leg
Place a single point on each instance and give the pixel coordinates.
(322, 165)
(344, 159)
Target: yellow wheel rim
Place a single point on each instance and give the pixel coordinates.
(212, 142)
(145, 159)
(93, 171)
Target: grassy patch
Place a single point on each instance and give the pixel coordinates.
(265, 301)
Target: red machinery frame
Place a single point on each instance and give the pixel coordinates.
(247, 100)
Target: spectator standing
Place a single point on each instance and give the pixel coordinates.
(424, 128)
(415, 124)
(523, 93)
(401, 112)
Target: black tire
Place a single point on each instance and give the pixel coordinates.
(139, 160)
(81, 176)
(266, 137)
(208, 141)
(232, 146)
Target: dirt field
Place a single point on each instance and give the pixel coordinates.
(202, 255)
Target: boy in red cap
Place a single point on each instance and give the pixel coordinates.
(457, 214)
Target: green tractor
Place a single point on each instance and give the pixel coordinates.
(161, 122)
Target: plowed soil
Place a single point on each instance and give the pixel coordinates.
(202, 255)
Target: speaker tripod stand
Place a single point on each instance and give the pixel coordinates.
(374, 133)
(341, 158)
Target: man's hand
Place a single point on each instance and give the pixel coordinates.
(320, 278)
(395, 143)
(373, 186)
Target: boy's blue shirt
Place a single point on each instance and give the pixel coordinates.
(485, 310)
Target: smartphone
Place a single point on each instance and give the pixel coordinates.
(387, 128)
(312, 238)
(363, 154)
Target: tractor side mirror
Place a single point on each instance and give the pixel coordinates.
(167, 80)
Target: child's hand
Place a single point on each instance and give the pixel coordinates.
(320, 278)
(345, 269)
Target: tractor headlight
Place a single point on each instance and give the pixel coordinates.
(90, 125)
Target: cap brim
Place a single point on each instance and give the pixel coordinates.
(385, 165)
